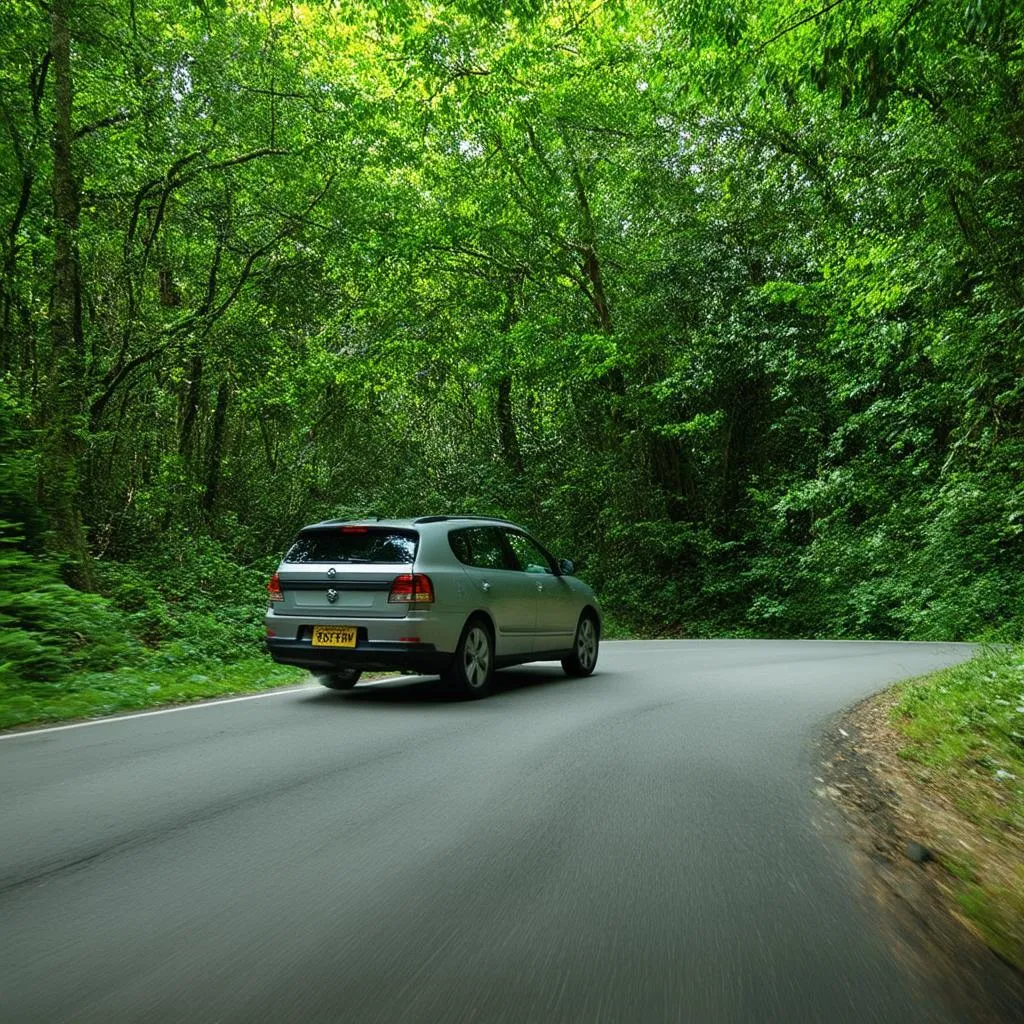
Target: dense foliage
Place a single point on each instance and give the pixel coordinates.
(724, 299)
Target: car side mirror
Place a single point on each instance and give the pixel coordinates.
(565, 566)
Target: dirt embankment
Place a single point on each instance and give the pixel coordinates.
(908, 837)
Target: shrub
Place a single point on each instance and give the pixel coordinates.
(48, 630)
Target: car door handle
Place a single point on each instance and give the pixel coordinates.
(485, 585)
(540, 586)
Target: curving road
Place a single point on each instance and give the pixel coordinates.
(640, 846)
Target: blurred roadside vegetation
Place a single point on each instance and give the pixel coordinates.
(964, 727)
(187, 626)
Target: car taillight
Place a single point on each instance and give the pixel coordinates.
(274, 588)
(411, 588)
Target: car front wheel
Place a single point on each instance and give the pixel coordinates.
(583, 657)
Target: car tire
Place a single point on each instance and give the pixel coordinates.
(582, 659)
(343, 679)
(471, 671)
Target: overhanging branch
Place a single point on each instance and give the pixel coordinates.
(813, 16)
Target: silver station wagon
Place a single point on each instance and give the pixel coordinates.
(457, 596)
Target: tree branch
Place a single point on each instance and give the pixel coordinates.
(541, 156)
(796, 24)
(100, 402)
(283, 93)
(37, 84)
(173, 183)
(205, 311)
(596, 129)
(146, 189)
(106, 122)
(912, 10)
(212, 315)
(234, 161)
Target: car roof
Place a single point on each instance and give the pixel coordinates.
(407, 524)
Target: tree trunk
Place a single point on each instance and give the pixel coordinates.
(595, 290)
(66, 389)
(591, 264)
(508, 438)
(507, 427)
(190, 409)
(216, 450)
(7, 289)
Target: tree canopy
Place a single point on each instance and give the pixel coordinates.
(723, 298)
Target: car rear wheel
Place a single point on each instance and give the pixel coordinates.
(472, 666)
(343, 679)
(583, 657)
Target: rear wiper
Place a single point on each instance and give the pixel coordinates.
(362, 561)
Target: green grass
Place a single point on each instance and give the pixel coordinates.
(997, 911)
(94, 694)
(970, 717)
(966, 724)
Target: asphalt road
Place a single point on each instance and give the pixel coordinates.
(641, 846)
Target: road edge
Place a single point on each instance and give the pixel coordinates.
(37, 728)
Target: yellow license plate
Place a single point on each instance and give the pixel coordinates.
(334, 636)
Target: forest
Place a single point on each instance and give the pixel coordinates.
(722, 298)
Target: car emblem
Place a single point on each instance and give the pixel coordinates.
(332, 595)
(331, 573)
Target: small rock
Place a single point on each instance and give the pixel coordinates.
(843, 732)
(1003, 775)
(918, 853)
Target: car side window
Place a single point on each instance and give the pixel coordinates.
(459, 543)
(530, 556)
(484, 547)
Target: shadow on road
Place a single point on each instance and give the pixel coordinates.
(421, 690)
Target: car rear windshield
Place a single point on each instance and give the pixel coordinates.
(354, 544)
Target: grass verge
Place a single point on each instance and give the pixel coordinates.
(95, 694)
(962, 736)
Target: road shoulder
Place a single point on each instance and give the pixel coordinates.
(889, 807)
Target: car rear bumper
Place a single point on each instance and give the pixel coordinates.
(366, 655)
(440, 630)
